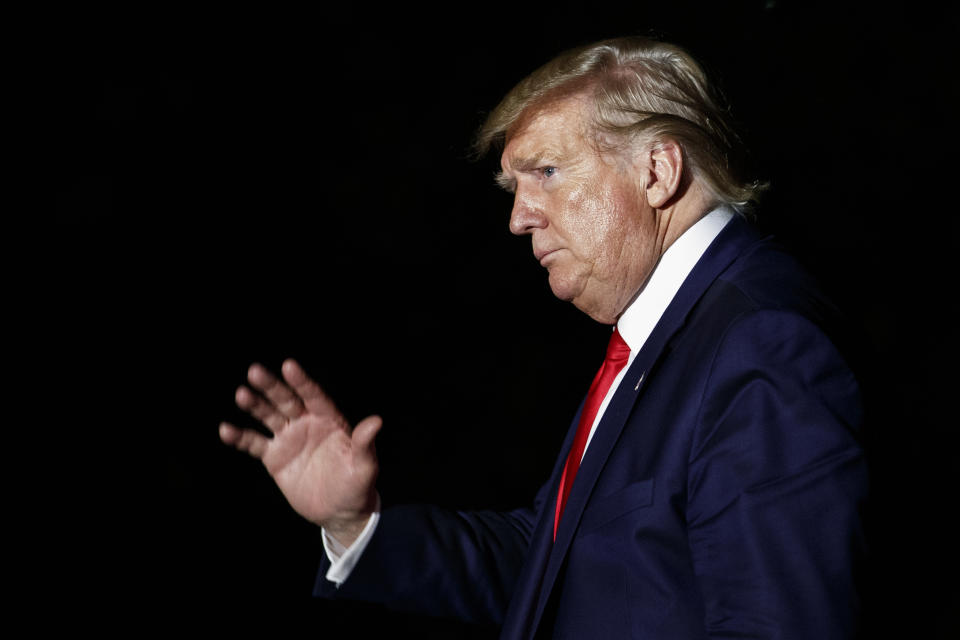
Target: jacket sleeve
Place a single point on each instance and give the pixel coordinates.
(776, 482)
(433, 561)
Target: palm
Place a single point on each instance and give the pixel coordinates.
(313, 463)
(324, 470)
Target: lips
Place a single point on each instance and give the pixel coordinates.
(540, 254)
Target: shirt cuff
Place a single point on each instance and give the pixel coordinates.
(344, 559)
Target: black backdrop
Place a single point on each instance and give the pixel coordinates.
(242, 185)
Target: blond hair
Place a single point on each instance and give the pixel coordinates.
(640, 88)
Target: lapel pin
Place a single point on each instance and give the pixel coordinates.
(637, 388)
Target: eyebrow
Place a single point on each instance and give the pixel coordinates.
(528, 163)
(509, 183)
(505, 182)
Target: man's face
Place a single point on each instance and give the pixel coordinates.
(587, 213)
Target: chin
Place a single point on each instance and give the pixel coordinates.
(564, 289)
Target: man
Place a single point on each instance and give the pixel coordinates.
(710, 484)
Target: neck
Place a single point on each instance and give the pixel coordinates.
(681, 214)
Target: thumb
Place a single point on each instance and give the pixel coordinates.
(364, 434)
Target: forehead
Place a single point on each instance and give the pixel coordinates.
(555, 131)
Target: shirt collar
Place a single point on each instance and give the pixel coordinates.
(642, 315)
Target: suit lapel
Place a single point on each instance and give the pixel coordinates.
(728, 245)
(517, 622)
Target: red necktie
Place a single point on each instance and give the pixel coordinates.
(617, 354)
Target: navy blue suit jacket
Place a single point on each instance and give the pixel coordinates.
(719, 497)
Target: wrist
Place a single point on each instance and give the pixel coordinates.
(346, 530)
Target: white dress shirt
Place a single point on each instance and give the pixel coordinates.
(635, 325)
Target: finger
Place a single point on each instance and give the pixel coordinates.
(285, 400)
(316, 401)
(244, 439)
(260, 409)
(363, 436)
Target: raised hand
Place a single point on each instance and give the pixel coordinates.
(326, 471)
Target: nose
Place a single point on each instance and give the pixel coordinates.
(525, 217)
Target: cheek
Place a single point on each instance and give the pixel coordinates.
(604, 225)
(588, 223)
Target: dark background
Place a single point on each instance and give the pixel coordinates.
(238, 185)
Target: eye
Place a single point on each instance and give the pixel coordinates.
(549, 171)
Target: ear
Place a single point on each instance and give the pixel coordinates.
(664, 159)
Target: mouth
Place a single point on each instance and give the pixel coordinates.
(543, 254)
